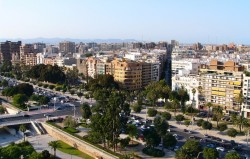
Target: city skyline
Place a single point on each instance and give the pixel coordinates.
(186, 21)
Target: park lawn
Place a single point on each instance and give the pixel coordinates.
(72, 151)
(71, 130)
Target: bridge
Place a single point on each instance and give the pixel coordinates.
(15, 122)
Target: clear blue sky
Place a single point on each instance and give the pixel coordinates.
(207, 21)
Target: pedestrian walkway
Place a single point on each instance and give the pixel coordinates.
(40, 143)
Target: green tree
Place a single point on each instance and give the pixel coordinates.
(169, 140)
(137, 108)
(240, 122)
(72, 76)
(151, 137)
(222, 127)
(107, 121)
(179, 118)
(124, 142)
(217, 112)
(132, 130)
(22, 128)
(69, 121)
(2, 109)
(5, 83)
(19, 100)
(161, 126)
(54, 145)
(182, 154)
(199, 122)
(210, 153)
(35, 155)
(232, 132)
(6, 66)
(207, 125)
(187, 123)
(209, 105)
(156, 90)
(166, 115)
(191, 148)
(232, 155)
(183, 96)
(152, 112)
(86, 111)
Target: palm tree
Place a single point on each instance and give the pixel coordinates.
(54, 145)
(200, 94)
(176, 104)
(218, 113)
(22, 128)
(209, 105)
(239, 99)
(183, 97)
(193, 92)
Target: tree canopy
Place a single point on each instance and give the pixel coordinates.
(53, 74)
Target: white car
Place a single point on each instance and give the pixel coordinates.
(222, 149)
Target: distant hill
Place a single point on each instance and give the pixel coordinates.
(57, 40)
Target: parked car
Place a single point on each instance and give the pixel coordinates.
(222, 149)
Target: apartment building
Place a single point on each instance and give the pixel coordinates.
(221, 83)
(8, 48)
(67, 47)
(91, 67)
(128, 73)
(30, 59)
(26, 51)
(188, 64)
(246, 93)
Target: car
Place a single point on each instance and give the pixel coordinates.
(222, 149)
(210, 145)
(169, 130)
(185, 130)
(177, 137)
(26, 115)
(191, 137)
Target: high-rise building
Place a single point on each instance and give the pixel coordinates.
(8, 48)
(222, 83)
(67, 47)
(168, 66)
(25, 50)
(128, 73)
(39, 47)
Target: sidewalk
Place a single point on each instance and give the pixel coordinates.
(40, 143)
(213, 132)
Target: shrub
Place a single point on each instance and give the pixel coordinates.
(179, 118)
(40, 84)
(222, 126)
(166, 115)
(137, 108)
(199, 122)
(45, 85)
(58, 88)
(153, 152)
(152, 112)
(232, 132)
(51, 86)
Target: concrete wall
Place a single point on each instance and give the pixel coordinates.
(10, 109)
(77, 143)
(10, 130)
